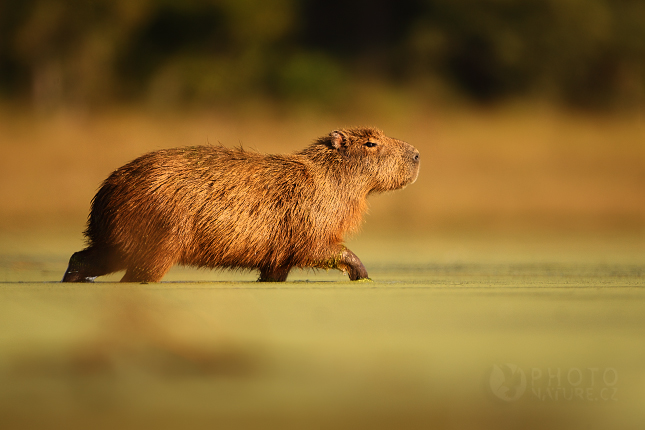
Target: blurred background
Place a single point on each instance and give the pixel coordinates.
(528, 114)
(84, 54)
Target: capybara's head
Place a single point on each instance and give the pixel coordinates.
(381, 162)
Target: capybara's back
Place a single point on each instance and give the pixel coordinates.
(211, 206)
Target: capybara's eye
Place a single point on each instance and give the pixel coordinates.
(370, 144)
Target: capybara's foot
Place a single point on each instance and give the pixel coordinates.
(75, 276)
(348, 262)
(274, 275)
(86, 265)
(354, 266)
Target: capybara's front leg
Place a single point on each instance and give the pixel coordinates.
(274, 274)
(347, 261)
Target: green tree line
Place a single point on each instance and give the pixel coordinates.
(582, 52)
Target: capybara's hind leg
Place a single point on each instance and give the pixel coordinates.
(274, 274)
(89, 263)
(147, 272)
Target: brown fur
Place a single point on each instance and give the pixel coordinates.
(210, 206)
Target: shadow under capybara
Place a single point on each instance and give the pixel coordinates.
(211, 206)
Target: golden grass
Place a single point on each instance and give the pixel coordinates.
(512, 168)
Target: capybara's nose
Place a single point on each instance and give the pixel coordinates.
(415, 155)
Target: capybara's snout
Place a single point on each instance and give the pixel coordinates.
(412, 157)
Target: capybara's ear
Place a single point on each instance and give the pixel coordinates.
(338, 139)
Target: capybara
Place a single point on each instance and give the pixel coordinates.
(211, 206)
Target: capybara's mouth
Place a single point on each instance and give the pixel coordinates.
(415, 167)
(410, 176)
(415, 175)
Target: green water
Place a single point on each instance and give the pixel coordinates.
(447, 335)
